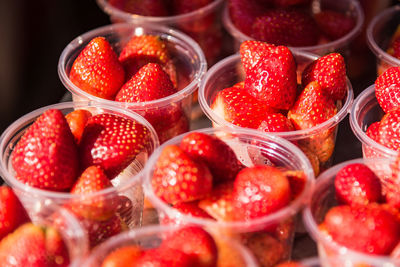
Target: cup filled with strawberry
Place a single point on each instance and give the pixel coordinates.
(375, 116)
(149, 69)
(383, 37)
(238, 182)
(296, 96)
(316, 26)
(353, 214)
(84, 157)
(200, 19)
(170, 246)
(57, 240)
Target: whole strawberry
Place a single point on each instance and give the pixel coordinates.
(334, 24)
(46, 155)
(389, 129)
(97, 70)
(387, 89)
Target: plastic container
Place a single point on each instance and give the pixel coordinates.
(270, 237)
(349, 7)
(151, 236)
(379, 33)
(203, 25)
(323, 198)
(188, 59)
(126, 194)
(229, 71)
(364, 112)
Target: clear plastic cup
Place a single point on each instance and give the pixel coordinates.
(203, 25)
(270, 237)
(188, 59)
(150, 237)
(349, 7)
(229, 71)
(126, 193)
(364, 112)
(323, 198)
(379, 33)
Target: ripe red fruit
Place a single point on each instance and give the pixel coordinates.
(276, 122)
(290, 3)
(200, 22)
(178, 178)
(387, 89)
(187, 208)
(124, 256)
(46, 155)
(155, 8)
(244, 12)
(357, 184)
(252, 52)
(389, 129)
(97, 70)
(112, 142)
(99, 231)
(77, 121)
(334, 24)
(162, 257)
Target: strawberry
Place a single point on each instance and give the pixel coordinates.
(200, 22)
(244, 12)
(46, 155)
(187, 208)
(252, 52)
(394, 46)
(57, 251)
(389, 129)
(238, 107)
(373, 133)
(369, 229)
(290, 3)
(391, 185)
(228, 253)
(178, 178)
(330, 72)
(154, 8)
(260, 190)
(211, 41)
(297, 181)
(334, 24)
(12, 213)
(77, 121)
(290, 264)
(124, 256)
(311, 108)
(276, 122)
(163, 257)
(92, 180)
(320, 144)
(357, 184)
(196, 242)
(273, 80)
(169, 121)
(208, 149)
(289, 27)
(97, 70)
(144, 49)
(112, 142)
(387, 89)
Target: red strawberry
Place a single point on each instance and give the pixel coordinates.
(187, 208)
(396, 48)
(312, 107)
(391, 185)
(144, 49)
(285, 27)
(369, 229)
(163, 257)
(196, 242)
(290, 264)
(238, 107)
(334, 24)
(77, 121)
(178, 178)
(387, 89)
(168, 122)
(208, 149)
(330, 72)
(389, 129)
(273, 80)
(252, 52)
(373, 133)
(46, 155)
(260, 190)
(57, 251)
(112, 142)
(244, 12)
(92, 180)
(123, 256)
(276, 122)
(99, 231)
(357, 184)
(154, 8)
(289, 3)
(198, 23)
(211, 42)
(12, 213)
(97, 70)
(297, 181)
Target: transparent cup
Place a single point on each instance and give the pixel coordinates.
(364, 112)
(150, 237)
(125, 197)
(349, 7)
(270, 238)
(323, 198)
(229, 71)
(170, 115)
(379, 33)
(203, 25)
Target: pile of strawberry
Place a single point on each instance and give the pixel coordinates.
(270, 99)
(202, 177)
(143, 71)
(81, 153)
(367, 218)
(387, 131)
(288, 22)
(184, 247)
(23, 243)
